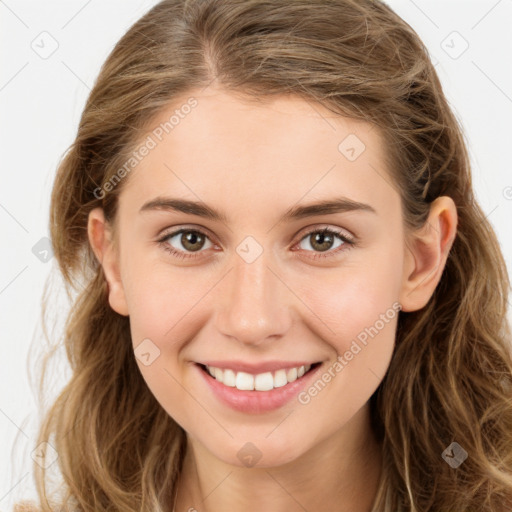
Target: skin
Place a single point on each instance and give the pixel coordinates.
(254, 161)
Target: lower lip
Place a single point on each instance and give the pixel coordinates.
(256, 402)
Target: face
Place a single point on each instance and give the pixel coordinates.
(249, 280)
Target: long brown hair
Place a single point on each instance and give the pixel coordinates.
(450, 376)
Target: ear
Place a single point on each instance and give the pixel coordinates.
(426, 253)
(100, 237)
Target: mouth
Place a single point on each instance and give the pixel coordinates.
(260, 382)
(256, 393)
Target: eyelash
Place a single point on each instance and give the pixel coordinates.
(348, 242)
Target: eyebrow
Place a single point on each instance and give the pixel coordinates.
(325, 207)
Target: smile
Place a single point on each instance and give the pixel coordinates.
(260, 382)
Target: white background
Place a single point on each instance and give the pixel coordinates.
(41, 101)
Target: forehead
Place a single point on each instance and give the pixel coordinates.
(216, 145)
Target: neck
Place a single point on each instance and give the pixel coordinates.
(341, 473)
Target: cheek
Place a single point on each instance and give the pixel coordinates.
(159, 296)
(354, 298)
(359, 305)
(164, 316)
(362, 322)
(362, 313)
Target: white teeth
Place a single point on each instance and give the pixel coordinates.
(260, 382)
(219, 374)
(280, 378)
(244, 381)
(264, 381)
(292, 374)
(229, 378)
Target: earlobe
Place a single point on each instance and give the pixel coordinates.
(100, 238)
(426, 254)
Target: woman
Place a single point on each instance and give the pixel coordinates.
(292, 300)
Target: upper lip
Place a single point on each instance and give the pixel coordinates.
(255, 368)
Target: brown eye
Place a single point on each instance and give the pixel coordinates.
(326, 241)
(321, 241)
(192, 240)
(186, 240)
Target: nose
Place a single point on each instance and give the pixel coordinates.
(253, 303)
